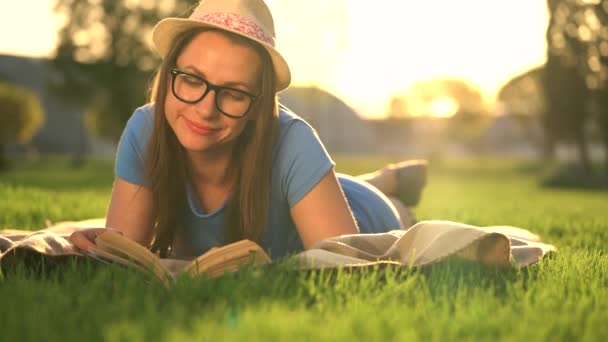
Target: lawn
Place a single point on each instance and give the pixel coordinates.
(562, 298)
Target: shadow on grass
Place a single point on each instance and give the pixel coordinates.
(484, 168)
(572, 176)
(548, 175)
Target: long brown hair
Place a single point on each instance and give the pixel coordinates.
(167, 169)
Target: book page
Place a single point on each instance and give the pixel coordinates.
(125, 248)
(228, 258)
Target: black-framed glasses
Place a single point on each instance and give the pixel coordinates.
(189, 88)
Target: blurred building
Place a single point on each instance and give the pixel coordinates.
(340, 128)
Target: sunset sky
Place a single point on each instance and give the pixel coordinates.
(364, 51)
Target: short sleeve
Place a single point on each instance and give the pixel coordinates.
(129, 164)
(302, 161)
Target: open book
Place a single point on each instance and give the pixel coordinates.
(112, 246)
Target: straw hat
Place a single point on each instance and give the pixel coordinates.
(248, 18)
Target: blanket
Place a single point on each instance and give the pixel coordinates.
(425, 243)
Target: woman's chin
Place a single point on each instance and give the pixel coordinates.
(194, 145)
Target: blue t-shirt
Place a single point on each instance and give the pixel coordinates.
(299, 162)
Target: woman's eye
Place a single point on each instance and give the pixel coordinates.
(235, 95)
(191, 80)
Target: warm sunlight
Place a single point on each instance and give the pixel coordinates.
(364, 53)
(443, 107)
(385, 49)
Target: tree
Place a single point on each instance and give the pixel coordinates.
(577, 71)
(459, 105)
(458, 101)
(104, 57)
(445, 97)
(598, 52)
(524, 94)
(398, 108)
(566, 93)
(21, 116)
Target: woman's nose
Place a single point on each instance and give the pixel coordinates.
(206, 106)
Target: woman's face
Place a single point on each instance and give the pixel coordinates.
(214, 57)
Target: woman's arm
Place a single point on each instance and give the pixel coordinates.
(323, 212)
(131, 205)
(130, 212)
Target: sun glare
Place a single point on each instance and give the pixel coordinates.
(443, 107)
(400, 43)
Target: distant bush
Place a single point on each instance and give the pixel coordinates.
(21, 116)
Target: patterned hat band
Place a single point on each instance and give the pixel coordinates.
(239, 24)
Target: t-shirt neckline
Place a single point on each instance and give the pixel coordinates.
(195, 205)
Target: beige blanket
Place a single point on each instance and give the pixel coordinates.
(425, 243)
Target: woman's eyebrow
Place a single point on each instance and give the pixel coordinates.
(231, 84)
(193, 69)
(237, 84)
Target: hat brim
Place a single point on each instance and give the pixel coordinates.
(168, 29)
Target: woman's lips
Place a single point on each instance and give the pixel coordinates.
(198, 128)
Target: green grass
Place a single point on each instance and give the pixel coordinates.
(563, 298)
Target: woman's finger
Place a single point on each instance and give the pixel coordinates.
(81, 241)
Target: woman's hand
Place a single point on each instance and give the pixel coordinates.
(84, 240)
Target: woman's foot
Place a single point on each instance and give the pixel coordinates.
(411, 178)
(403, 181)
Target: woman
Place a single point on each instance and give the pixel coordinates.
(214, 158)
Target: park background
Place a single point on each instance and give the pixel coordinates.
(524, 79)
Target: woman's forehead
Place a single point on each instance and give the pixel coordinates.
(217, 54)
